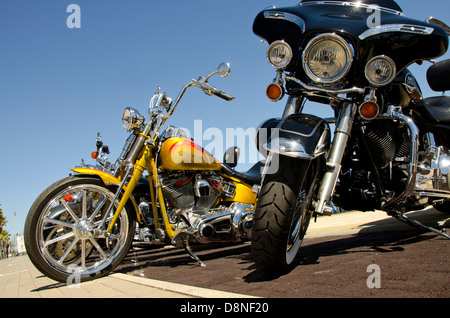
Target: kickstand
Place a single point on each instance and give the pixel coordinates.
(400, 216)
(193, 256)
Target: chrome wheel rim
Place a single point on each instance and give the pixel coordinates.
(70, 235)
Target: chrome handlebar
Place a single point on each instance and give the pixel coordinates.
(202, 82)
(210, 90)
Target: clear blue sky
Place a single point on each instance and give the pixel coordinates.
(60, 86)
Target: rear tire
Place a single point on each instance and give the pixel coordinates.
(283, 213)
(62, 238)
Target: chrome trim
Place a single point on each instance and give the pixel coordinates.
(269, 51)
(241, 222)
(342, 133)
(288, 147)
(277, 15)
(323, 90)
(406, 28)
(353, 4)
(395, 113)
(391, 64)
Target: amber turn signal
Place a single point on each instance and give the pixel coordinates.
(369, 110)
(94, 155)
(274, 92)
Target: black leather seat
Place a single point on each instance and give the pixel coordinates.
(438, 108)
(438, 76)
(252, 176)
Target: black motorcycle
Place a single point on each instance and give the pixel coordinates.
(390, 149)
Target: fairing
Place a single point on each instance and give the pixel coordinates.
(414, 40)
(300, 136)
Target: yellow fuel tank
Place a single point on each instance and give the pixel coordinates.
(183, 154)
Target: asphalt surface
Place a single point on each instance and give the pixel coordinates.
(342, 257)
(379, 259)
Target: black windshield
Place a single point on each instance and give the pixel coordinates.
(389, 4)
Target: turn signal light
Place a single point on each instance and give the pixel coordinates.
(369, 110)
(94, 155)
(274, 92)
(68, 198)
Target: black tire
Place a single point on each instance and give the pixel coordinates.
(283, 213)
(59, 236)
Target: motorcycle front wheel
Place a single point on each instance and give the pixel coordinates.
(64, 238)
(283, 213)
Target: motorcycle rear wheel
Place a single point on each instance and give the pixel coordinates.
(62, 237)
(283, 213)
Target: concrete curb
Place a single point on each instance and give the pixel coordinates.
(179, 288)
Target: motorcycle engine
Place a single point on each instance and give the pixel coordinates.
(386, 146)
(193, 197)
(188, 191)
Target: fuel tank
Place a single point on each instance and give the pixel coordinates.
(183, 154)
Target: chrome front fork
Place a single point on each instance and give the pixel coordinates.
(344, 125)
(333, 165)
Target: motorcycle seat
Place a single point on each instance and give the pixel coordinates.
(252, 176)
(438, 108)
(438, 76)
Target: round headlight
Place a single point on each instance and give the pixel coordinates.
(131, 118)
(279, 54)
(327, 58)
(380, 70)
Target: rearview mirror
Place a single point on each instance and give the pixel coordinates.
(224, 69)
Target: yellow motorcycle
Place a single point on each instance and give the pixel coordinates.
(84, 225)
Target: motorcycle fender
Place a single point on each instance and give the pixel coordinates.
(301, 136)
(107, 180)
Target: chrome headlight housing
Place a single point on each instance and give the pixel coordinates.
(279, 54)
(327, 58)
(131, 118)
(380, 70)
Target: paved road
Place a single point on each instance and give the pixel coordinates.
(337, 260)
(335, 257)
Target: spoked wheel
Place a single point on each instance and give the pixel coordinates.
(64, 235)
(283, 213)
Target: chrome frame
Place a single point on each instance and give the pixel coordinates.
(405, 28)
(394, 113)
(353, 4)
(324, 90)
(286, 17)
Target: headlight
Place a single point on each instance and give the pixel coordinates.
(131, 118)
(327, 58)
(279, 54)
(380, 70)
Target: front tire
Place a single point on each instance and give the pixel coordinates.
(62, 237)
(283, 213)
